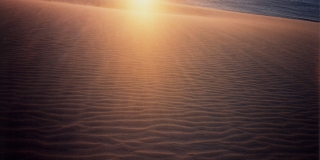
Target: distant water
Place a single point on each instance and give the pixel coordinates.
(296, 9)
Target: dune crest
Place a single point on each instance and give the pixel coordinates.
(154, 6)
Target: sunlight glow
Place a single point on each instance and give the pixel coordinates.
(142, 5)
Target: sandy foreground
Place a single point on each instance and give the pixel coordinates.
(105, 81)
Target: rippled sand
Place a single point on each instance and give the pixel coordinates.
(176, 82)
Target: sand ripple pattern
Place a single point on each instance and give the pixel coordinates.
(80, 82)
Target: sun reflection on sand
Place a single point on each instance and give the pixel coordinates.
(141, 63)
(142, 5)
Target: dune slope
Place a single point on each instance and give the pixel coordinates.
(87, 82)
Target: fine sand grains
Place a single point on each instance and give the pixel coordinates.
(175, 82)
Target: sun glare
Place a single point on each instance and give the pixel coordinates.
(142, 5)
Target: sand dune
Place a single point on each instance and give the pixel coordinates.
(177, 82)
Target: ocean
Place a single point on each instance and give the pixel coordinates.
(295, 9)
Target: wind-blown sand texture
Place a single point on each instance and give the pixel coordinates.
(181, 82)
